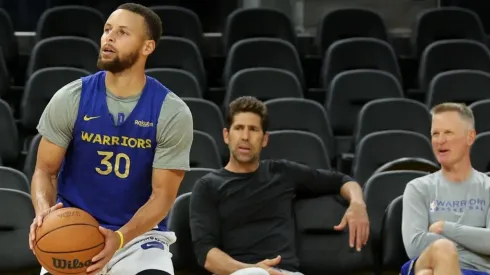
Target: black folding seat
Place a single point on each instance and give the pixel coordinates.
(74, 52)
(444, 23)
(9, 137)
(409, 164)
(303, 115)
(263, 52)
(40, 88)
(350, 90)
(16, 216)
(481, 112)
(379, 191)
(257, 22)
(178, 53)
(8, 41)
(378, 148)
(480, 160)
(5, 76)
(190, 178)
(208, 118)
(316, 238)
(359, 53)
(204, 151)
(447, 55)
(345, 23)
(181, 83)
(392, 114)
(465, 86)
(181, 22)
(302, 147)
(392, 247)
(31, 158)
(80, 21)
(264, 84)
(13, 179)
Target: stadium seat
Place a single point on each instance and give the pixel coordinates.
(379, 191)
(178, 53)
(447, 55)
(9, 137)
(180, 82)
(350, 90)
(392, 247)
(208, 118)
(204, 151)
(444, 23)
(303, 115)
(358, 53)
(392, 114)
(79, 21)
(378, 148)
(265, 53)
(75, 52)
(480, 159)
(465, 86)
(190, 179)
(263, 83)
(40, 88)
(302, 147)
(5, 75)
(31, 158)
(345, 23)
(180, 22)
(183, 257)
(481, 112)
(257, 22)
(13, 179)
(8, 41)
(410, 164)
(15, 221)
(321, 249)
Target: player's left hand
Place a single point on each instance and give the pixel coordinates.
(357, 218)
(436, 227)
(112, 243)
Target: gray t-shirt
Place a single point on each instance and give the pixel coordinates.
(464, 207)
(174, 128)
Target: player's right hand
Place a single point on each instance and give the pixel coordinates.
(38, 221)
(268, 265)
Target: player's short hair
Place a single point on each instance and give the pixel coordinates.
(247, 104)
(464, 111)
(152, 20)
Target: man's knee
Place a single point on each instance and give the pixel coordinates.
(152, 272)
(251, 271)
(443, 247)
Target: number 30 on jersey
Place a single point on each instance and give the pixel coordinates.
(108, 158)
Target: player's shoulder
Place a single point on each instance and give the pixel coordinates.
(174, 106)
(423, 183)
(481, 178)
(69, 92)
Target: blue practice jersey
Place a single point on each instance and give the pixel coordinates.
(107, 170)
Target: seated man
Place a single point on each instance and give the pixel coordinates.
(242, 215)
(446, 214)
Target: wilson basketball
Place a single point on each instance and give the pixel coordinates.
(67, 241)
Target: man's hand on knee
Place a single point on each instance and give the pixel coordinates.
(268, 265)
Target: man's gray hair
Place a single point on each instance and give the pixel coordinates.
(464, 111)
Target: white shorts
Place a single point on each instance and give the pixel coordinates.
(148, 251)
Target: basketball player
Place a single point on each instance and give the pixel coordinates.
(241, 215)
(118, 143)
(446, 215)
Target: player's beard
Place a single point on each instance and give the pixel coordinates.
(117, 64)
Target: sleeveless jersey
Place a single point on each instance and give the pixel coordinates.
(107, 170)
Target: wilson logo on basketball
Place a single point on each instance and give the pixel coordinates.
(73, 264)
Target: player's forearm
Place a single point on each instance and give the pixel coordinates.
(43, 190)
(473, 238)
(148, 216)
(352, 192)
(220, 263)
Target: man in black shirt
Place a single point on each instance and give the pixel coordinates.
(242, 217)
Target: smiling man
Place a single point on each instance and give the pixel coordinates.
(446, 218)
(118, 143)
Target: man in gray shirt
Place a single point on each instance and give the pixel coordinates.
(446, 218)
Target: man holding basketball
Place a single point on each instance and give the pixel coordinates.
(116, 144)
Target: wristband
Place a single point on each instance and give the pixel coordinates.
(121, 237)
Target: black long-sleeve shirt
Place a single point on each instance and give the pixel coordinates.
(249, 216)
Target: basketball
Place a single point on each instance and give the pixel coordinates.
(67, 241)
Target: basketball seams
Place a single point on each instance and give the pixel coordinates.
(51, 270)
(74, 251)
(63, 226)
